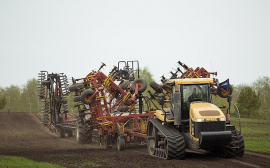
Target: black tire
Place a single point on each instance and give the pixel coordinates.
(45, 82)
(80, 136)
(77, 98)
(241, 145)
(168, 88)
(75, 87)
(64, 101)
(88, 135)
(86, 95)
(156, 87)
(235, 148)
(124, 84)
(62, 132)
(121, 144)
(226, 93)
(180, 151)
(69, 133)
(142, 85)
(106, 141)
(123, 108)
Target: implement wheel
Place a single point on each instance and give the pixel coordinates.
(85, 96)
(124, 84)
(69, 133)
(142, 85)
(88, 135)
(75, 87)
(80, 136)
(167, 87)
(45, 82)
(121, 143)
(224, 92)
(62, 132)
(156, 87)
(64, 101)
(106, 141)
(77, 98)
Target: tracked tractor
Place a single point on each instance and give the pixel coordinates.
(191, 121)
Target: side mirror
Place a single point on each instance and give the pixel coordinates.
(161, 101)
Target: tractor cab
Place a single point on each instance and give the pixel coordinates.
(193, 93)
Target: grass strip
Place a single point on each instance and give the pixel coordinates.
(14, 161)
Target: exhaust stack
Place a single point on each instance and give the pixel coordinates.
(177, 105)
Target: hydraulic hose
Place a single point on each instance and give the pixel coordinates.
(238, 116)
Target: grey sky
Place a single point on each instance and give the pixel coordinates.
(74, 37)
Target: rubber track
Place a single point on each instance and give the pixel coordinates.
(175, 141)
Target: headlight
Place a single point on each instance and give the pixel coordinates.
(200, 120)
(210, 119)
(221, 119)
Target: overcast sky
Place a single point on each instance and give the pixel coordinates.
(231, 37)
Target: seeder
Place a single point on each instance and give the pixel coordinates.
(111, 106)
(52, 91)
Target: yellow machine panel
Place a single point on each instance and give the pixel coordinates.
(203, 112)
(160, 116)
(192, 80)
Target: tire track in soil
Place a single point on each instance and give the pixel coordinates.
(21, 134)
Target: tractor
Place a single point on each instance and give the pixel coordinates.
(188, 120)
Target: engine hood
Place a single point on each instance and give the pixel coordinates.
(205, 112)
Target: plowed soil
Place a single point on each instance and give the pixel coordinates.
(21, 134)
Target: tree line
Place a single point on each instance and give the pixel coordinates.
(251, 99)
(20, 99)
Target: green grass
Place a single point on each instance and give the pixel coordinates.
(13, 161)
(256, 134)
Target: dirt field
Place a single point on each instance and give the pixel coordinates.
(21, 134)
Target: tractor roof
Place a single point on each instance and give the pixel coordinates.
(192, 80)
